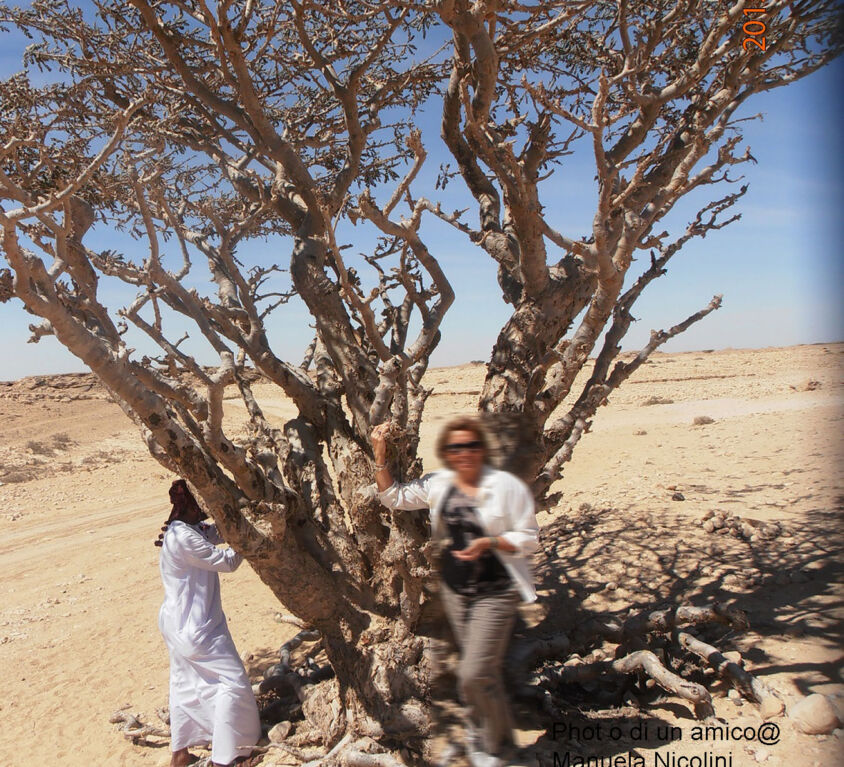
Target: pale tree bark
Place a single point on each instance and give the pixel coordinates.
(202, 129)
(652, 90)
(220, 148)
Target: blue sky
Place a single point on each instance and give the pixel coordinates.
(779, 268)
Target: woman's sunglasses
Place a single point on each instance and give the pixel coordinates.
(456, 447)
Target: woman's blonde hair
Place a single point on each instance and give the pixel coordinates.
(462, 423)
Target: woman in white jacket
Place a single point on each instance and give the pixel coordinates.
(487, 522)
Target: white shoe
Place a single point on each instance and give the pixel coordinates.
(482, 759)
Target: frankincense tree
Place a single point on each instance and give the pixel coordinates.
(203, 128)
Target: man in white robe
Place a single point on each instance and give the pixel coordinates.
(211, 699)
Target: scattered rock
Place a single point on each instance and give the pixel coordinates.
(708, 515)
(809, 384)
(771, 707)
(734, 657)
(761, 755)
(280, 731)
(814, 715)
(702, 420)
(678, 497)
(657, 401)
(708, 526)
(631, 700)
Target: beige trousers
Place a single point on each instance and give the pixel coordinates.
(482, 627)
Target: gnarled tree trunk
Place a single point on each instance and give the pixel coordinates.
(205, 129)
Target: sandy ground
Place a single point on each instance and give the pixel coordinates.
(81, 502)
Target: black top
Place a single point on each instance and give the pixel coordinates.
(486, 575)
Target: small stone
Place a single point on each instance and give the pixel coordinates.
(717, 522)
(708, 515)
(708, 526)
(678, 497)
(814, 715)
(611, 586)
(771, 707)
(280, 731)
(733, 656)
(761, 755)
(734, 694)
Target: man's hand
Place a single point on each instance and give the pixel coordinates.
(474, 549)
(160, 541)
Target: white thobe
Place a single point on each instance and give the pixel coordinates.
(211, 699)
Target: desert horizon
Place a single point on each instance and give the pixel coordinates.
(753, 434)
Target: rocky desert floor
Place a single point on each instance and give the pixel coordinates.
(753, 435)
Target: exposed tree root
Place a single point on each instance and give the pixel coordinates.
(360, 759)
(528, 654)
(538, 668)
(134, 729)
(291, 619)
(747, 684)
(662, 621)
(341, 744)
(646, 661)
(305, 635)
(635, 638)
